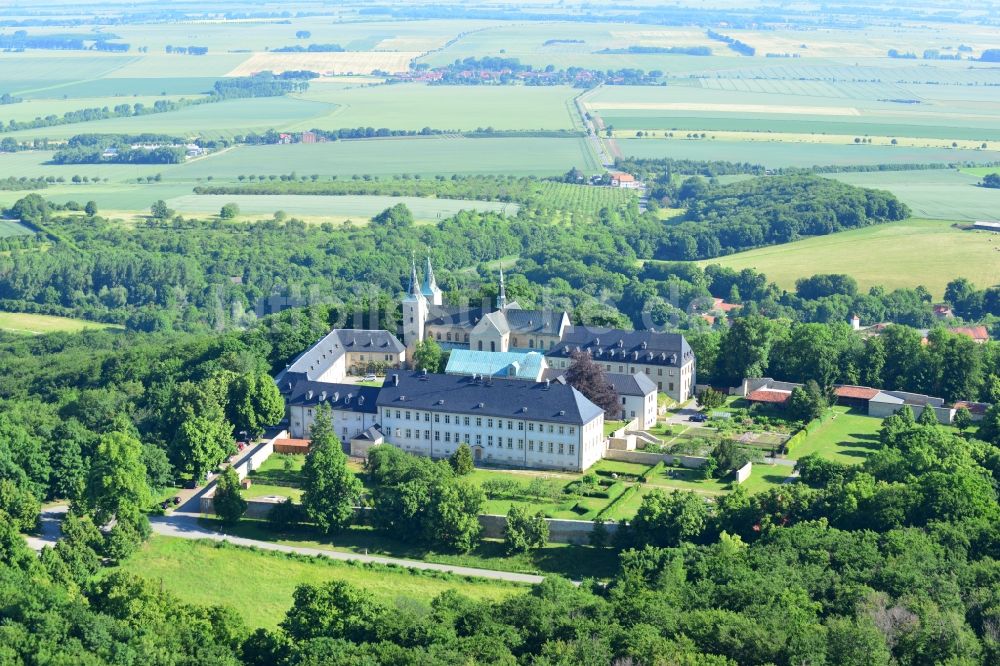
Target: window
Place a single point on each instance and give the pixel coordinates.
(531, 427)
(399, 433)
(623, 401)
(479, 440)
(561, 451)
(510, 425)
(531, 445)
(562, 430)
(671, 386)
(480, 343)
(520, 445)
(427, 434)
(659, 372)
(489, 423)
(427, 417)
(465, 420)
(632, 370)
(550, 447)
(437, 418)
(408, 433)
(493, 346)
(489, 440)
(479, 422)
(572, 449)
(551, 430)
(437, 435)
(520, 425)
(448, 336)
(447, 437)
(407, 415)
(572, 430)
(397, 414)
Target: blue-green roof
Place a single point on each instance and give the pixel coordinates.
(529, 365)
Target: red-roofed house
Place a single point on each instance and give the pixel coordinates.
(976, 409)
(943, 311)
(625, 180)
(721, 305)
(979, 334)
(856, 396)
(770, 396)
(300, 446)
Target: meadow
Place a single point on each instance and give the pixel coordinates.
(943, 194)
(900, 254)
(848, 437)
(413, 106)
(10, 228)
(207, 573)
(36, 324)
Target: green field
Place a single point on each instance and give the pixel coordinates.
(899, 254)
(20, 322)
(943, 194)
(387, 157)
(415, 106)
(259, 585)
(779, 154)
(355, 207)
(10, 228)
(849, 436)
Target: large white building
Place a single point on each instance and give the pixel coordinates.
(345, 351)
(543, 425)
(666, 358)
(352, 407)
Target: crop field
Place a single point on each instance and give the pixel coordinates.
(205, 573)
(342, 207)
(10, 228)
(386, 157)
(327, 64)
(943, 194)
(415, 106)
(900, 254)
(36, 324)
(780, 154)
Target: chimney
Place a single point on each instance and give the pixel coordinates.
(395, 380)
(547, 383)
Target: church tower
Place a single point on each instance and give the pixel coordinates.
(414, 312)
(502, 294)
(430, 289)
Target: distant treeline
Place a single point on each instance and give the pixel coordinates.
(654, 166)
(495, 70)
(990, 55)
(272, 136)
(7, 98)
(553, 42)
(20, 40)
(124, 110)
(186, 50)
(263, 84)
(23, 183)
(657, 50)
(740, 47)
(121, 149)
(312, 48)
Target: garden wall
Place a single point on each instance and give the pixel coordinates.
(743, 473)
(643, 458)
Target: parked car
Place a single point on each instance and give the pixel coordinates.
(191, 483)
(369, 378)
(698, 418)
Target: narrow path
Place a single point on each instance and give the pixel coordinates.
(188, 527)
(49, 531)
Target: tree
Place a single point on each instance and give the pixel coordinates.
(963, 419)
(201, 443)
(18, 505)
(808, 402)
(461, 460)
(588, 378)
(991, 180)
(332, 610)
(228, 500)
(745, 350)
(928, 417)
(91, 208)
(331, 489)
(254, 403)
(427, 355)
(229, 211)
(711, 399)
(159, 210)
(117, 483)
(667, 520)
(524, 532)
(989, 427)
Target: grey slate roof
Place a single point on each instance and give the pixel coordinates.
(517, 320)
(441, 315)
(313, 362)
(506, 398)
(638, 384)
(533, 321)
(610, 344)
(343, 397)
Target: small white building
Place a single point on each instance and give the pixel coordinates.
(637, 394)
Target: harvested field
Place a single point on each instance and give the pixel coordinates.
(727, 108)
(347, 62)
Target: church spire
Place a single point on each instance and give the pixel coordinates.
(414, 289)
(429, 277)
(502, 295)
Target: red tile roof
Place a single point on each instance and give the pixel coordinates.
(977, 333)
(857, 392)
(291, 445)
(973, 407)
(766, 395)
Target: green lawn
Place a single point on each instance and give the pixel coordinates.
(13, 228)
(21, 322)
(765, 477)
(572, 561)
(274, 478)
(677, 478)
(899, 254)
(849, 436)
(941, 194)
(259, 584)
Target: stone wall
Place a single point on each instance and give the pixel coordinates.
(743, 473)
(643, 458)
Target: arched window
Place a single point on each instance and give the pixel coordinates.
(493, 346)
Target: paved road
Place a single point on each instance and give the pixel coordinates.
(187, 527)
(49, 531)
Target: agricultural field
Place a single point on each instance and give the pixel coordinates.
(899, 254)
(10, 228)
(392, 156)
(943, 194)
(358, 208)
(413, 106)
(327, 64)
(37, 324)
(208, 573)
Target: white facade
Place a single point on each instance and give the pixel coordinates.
(532, 443)
(640, 407)
(676, 382)
(347, 424)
